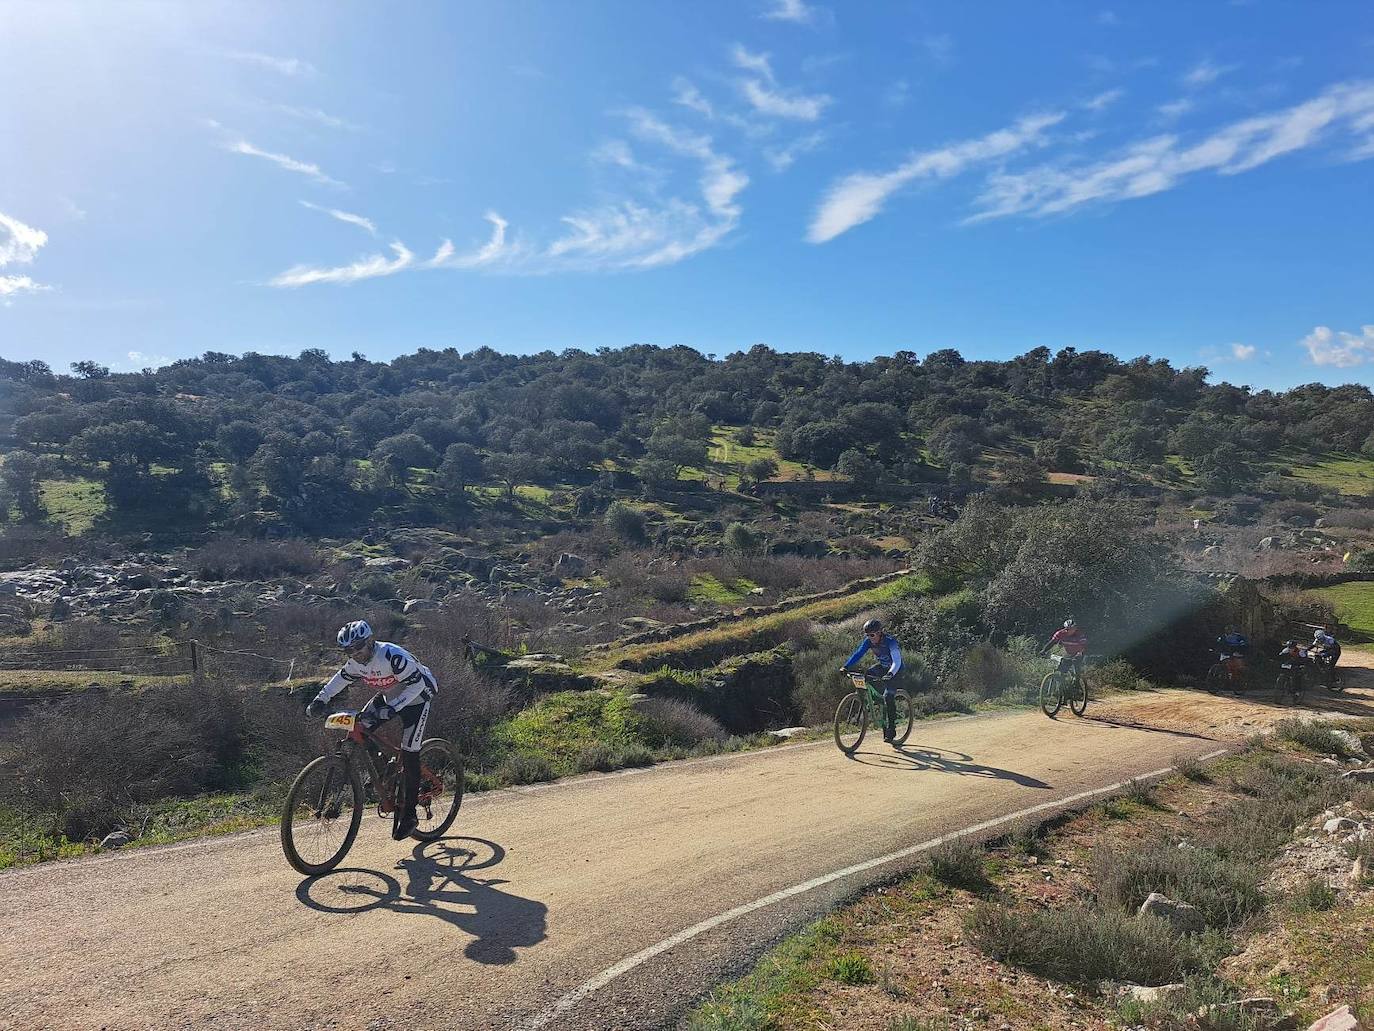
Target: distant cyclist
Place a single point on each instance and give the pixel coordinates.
(1232, 646)
(404, 688)
(1072, 639)
(887, 663)
(1325, 650)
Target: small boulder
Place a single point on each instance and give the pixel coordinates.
(420, 605)
(1340, 825)
(1270, 544)
(1350, 740)
(1365, 776)
(387, 565)
(1337, 1020)
(569, 565)
(1163, 994)
(116, 839)
(787, 732)
(1184, 917)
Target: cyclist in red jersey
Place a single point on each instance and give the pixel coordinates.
(1073, 640)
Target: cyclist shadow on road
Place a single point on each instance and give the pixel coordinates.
(439, 883)
(910, 758)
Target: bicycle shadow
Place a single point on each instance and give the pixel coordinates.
(911, 758)
(439, 883)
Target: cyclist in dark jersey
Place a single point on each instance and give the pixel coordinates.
(887, 663)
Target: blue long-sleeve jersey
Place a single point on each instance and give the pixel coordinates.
(886, 653)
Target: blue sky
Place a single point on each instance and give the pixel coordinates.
(1181, 178)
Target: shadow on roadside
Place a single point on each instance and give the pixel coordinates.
(908, 758)
(439, 883)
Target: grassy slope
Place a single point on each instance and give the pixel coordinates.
(1354, 604)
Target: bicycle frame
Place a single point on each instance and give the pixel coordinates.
(354, 744)
(873, 698)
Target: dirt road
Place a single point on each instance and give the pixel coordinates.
(610, 901)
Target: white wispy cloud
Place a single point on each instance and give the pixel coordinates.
(290, 164)
(796, 11)
(1108, 18)
(12, 285)
(940, 48)
(19, 245)
(782, 158)
(1205, 73)
(375, 266)
(314, 114)
(496, 249)
(365, 224)
(141, 360)
(1340, 349)
(1242, 352)
(766, 97)
(687, 95)
(1175, 109)
(370, 267)
(292, 66)
(1103, 100)
(860, 196)
(1160, 163)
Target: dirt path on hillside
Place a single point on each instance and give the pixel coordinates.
(604, 902)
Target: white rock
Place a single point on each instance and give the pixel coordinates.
(1340, 825)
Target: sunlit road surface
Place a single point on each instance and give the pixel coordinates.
(609, 901)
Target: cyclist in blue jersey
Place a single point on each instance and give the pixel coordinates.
(887, 663)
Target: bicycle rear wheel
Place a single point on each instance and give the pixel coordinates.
(1051, 694)
(441, 789)
(851, 722)
(906, 718)
(320, 819)
(1078, 695)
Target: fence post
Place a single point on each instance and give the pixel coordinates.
(290, 672)
(195, 661)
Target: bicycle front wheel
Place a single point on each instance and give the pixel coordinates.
(851, 722)
(441, 789)
(321, 815)
(1216, 678)
(906, 718)
(1051, 694)
(1078, 695)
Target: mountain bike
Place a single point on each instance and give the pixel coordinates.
(1064, 683)
(1228, 674)
(864, 705)
(1291, 683)
(325, 804)
(1325, 673)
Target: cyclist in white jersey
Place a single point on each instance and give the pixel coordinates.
(404, 687)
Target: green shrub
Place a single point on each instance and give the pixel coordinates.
(625, 522)
(739, 1013)
(1117, 675)
(1225, 890)
(523, 768)
(667, 721)
(930, 703)
(815, 669)
(1080, 946)
(598, 757)
(1314, 737)
(1190, 767)
(1316, 896)
(851, 968)
(375, 586)
(959, 862)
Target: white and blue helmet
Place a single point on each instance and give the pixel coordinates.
(354, 633)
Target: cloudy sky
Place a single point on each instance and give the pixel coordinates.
(1184, 178)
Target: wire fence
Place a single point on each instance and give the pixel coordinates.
(190, 658)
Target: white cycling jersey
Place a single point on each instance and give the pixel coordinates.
(392, 671)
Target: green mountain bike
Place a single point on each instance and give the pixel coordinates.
(864, 706)
(1064, 683)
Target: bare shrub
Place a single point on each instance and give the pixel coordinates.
(1353, 519)
(234, 558)
(959, 862)
(1081, 946)
(668, 722)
